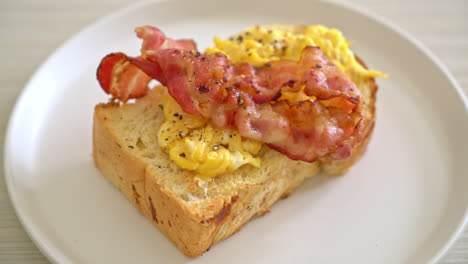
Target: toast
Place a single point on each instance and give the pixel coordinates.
(195, 214)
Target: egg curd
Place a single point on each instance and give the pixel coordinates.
(195, 145)
(260, 45)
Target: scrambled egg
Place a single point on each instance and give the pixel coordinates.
(195, 145)
(259, 45)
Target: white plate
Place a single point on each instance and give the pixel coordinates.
(404, 202)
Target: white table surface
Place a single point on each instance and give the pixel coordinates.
(31, 30)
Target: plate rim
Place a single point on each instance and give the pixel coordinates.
(54, 255)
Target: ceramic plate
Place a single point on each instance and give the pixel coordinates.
(405, 201)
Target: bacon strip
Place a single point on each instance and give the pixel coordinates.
(243, 97)
(154, 40)
(120, 78)
(124, 80)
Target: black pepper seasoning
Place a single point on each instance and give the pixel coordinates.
(204, 89)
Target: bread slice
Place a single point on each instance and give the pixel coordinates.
(194, 214)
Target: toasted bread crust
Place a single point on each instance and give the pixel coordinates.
(151, 182)
(193, 232)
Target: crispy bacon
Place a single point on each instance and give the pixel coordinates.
(330, 131)
(124, 80)
(243, 96)
(154, 40)
(120, 78)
